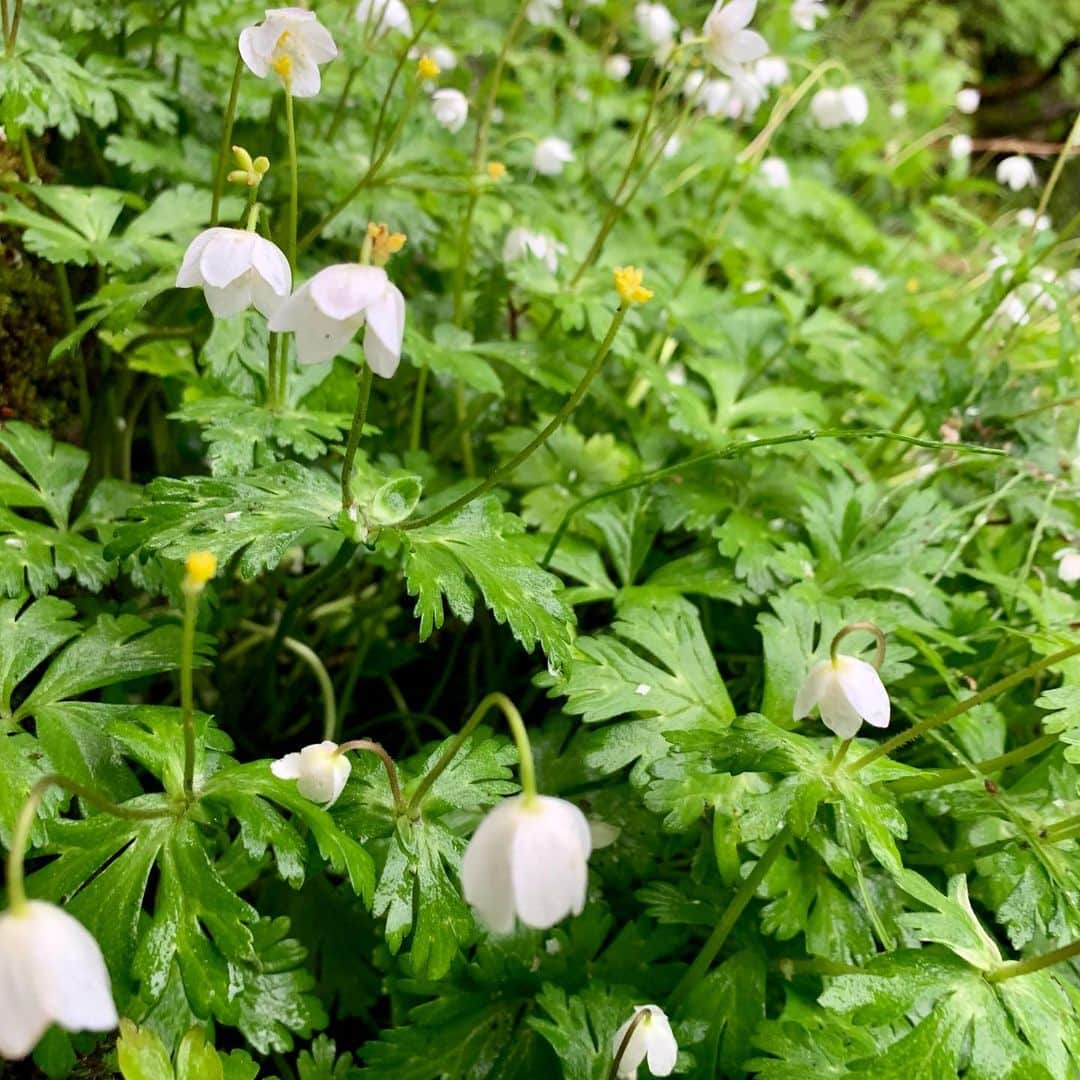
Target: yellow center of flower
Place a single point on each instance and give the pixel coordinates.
(384, 243)
(426, 68)
(200, 567)
(282, 62)
(628, 285)
(496, 170)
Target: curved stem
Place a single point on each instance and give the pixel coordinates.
(294, 182)
(961, 707)
(24, 823)
(870, 628)
(624, 1044)
(359, 416)
(517, 727)
(226, 141)
(944, 777)
(550, 428)
(703, 961)
(380, 752)
(1034, 963)
(187, 691)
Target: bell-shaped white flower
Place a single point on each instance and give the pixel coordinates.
(292, 43)
(379, 17)
(833, 108)
(617, 66)
(543, 12)
(656, 23)
(806, 14)
(444, 56)
(772, 71)
(846, 691)
(1017, 172)
(866, 277)
(774, 172)
(326, 312)
(451, 108)
(968, 99)
(319, 770)
(1027, 218)
(1068, 560)
(652, 1041)
(521, 244)
(960, 147)
(236, 270)
(729, 44)
(51, 972)
(552, 155)
(529, 859)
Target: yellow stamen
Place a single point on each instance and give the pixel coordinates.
(628, 285)
(200, 567)
(496, 170)
(384, 243)
(426, 68)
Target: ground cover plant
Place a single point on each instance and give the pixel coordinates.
(539, 539)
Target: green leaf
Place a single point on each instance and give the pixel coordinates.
(142, 1055)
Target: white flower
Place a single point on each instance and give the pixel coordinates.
(528, 859)
(451, 108)
(326, 312)
(832, 108)
(806, 14)
(1068, 560)
(716, 97)
(898, 110)
(444, 56)
(651, 1041)
(774, 172)
(379, 17)
(1027, 219)
(967, 100)
(747, 93)
(543, 12)
(617, 66)
(319, 770)
(960, 147)
(1017, 172)
(771, 71)
(51, 972)
(292, 43)
(656, 23)
(552, 155)
(236, 269)
(847, 691)
(866, 277)
(856, 107)
(521, 244)
(729, 44)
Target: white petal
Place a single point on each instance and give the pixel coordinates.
(305, 81)
(226, 256)
(734, 15)
(837, 713)
(864, 690)
(231, 300)
(548, 862)
(263, 298)
(23, 1019)
(286, 768)
(318, 43)
(385, 333)
(252, 53)
(663, 1049)
(811, 690)
(343, 292)
(635, 1051)
(189, 273)
(746, 46)
(485, 869)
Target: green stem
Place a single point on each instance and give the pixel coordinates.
(961, 707)
(703, 961)
(363, 396)
(1055, 176)
(339, 111)
(380, 752)
(24, 823)
(855, 627)
(187, 686)
(944, 777)
(841, 753)
(1034, 963)
(624, 1043)
(521, 738)
(226, 141)
(416, 423)
(568, 406)
(13, 33)
(294, 182)
(272, 375)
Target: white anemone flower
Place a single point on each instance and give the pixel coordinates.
(319, 770)
(960, 147)
(617, 66)
(716, 97)
(747, 93)
(237, 269)
(380, 17)
(772, 71)
(326, 312)
(444, 56)
(552, 155)
(846, 691)
(451, 108)
(866, 277)
(834, 108)
(543, 12)
(522, 244)
(292, 43)
(652, 1041)
(528, 859)
(729, 44)
(1068, 560)
(51, 972)
(1027, 218)
(656, 23)
(774, 172)
(1017, 172)
(968, 99)
(806, 14)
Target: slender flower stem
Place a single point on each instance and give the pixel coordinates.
(226, 141)
(1059, 167)
(703, 961)
(521, 738)
(855, 627)
(624, 1044)
(339, 111)
(13, 32)
(388, 763)
(416, 423)
(363, 396)
(841, 753)
(568, 406)
(187, 686)
(944, 777)
(5, 21)
(294, 181)
(961, 707)
(273, 378)
(1034, 963)
(24, 823)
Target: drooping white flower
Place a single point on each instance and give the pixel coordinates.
(729, 44)
(898, 110)
(772, 71)
(521, 244)
(856, 106)
(236, 269)
(652, 1041)
(746, 92)
(846, 691)
(715, 96)
(1068, 560)
(774, 172)
(292, 43)
(552, 155)
(1029, 219)
(451, 108)
(543, 12)
(51, 972)
(617, 66)
(806, 14)
(326, 312)
(444, 56)
(866, 277)
(1017, 172)
(967, 100)
(380, 17)
(528, 859)
(832, 108)
(960, 147)
(656, 23)
(319, 770)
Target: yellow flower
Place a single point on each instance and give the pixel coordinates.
(426, 68)
(200, 567)
(628, 285)
(384, 243)
(912, 285)
(496, 170)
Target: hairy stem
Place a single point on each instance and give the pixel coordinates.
(380, 752)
